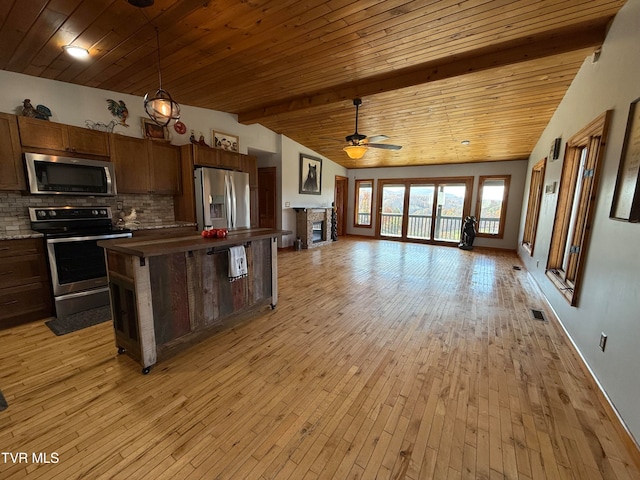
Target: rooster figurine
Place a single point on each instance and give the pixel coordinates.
(119, 110)
(41, 112)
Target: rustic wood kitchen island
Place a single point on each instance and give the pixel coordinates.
(170, 292)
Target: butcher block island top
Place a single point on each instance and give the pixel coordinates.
(170, 292)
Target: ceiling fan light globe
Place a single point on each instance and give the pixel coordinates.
(355, 152)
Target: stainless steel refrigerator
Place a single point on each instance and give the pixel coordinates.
(222, 198)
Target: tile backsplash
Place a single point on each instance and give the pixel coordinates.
(152, 210)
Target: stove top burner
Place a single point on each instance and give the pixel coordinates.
(65, 220)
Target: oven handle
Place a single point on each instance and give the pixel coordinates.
(89, 237)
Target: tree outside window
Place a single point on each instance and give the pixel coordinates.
(363, 203)
(491, 208)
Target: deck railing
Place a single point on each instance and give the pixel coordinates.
(447, 228)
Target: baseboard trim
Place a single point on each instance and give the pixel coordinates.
(630, 443)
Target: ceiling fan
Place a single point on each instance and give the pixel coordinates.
(358, 144)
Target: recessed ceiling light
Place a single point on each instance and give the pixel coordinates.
(465, 142)
(76, 52)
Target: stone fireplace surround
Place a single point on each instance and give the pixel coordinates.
(305, 218)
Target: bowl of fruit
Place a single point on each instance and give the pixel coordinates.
(214, 233)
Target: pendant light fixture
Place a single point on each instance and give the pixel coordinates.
(161, 108)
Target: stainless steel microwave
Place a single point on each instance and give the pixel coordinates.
(51, 175)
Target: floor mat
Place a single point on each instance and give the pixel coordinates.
(80, 320)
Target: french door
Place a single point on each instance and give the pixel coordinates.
(424, 210)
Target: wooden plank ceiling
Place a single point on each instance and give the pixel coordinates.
(431, 73)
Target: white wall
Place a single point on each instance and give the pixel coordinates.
(73, 105)
(517, 170)
(290, 152)
(609, 301)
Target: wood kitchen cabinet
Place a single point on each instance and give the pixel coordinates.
(145, 166)
(11, 167)
(249, 165)
(45, 135)
(164, 163)
(230, 160)
(25, 288)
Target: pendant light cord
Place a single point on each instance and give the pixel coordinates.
(158, 50)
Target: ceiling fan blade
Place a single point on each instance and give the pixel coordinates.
(378, 138)
(332, 139)
(384, 146)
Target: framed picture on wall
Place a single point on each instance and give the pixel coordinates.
(152, 130)
(310, 175)
(626, 196)
(226, 141)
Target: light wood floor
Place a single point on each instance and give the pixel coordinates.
(382, 360)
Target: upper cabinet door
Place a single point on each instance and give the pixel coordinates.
(164, 160)
(83, 140)
(130, 159)
(11, 169)
(44, 135)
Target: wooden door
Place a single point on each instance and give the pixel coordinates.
(267, 193)
(340, 199)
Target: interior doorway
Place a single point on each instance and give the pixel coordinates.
(341, 199)
(267, 192)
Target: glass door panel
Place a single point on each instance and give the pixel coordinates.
(392, 210)
(420, 211)
(449, 211)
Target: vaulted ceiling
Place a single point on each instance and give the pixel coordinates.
(431, 73)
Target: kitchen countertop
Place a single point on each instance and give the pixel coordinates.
(20, 236)
(163, 245)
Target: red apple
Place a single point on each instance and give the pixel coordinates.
(204, 233)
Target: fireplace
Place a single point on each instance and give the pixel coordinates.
(317, 230)
(313, 226)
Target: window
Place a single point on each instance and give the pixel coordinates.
(533, 206)
(363, 203)
(423, 209)
(576, 203)
(491, 209)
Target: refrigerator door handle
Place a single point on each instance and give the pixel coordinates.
(233, 202)
(227, 201)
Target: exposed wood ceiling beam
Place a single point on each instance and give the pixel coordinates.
(553, 42)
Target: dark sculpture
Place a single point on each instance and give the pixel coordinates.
(468, 233)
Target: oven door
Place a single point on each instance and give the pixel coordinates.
(77, 263)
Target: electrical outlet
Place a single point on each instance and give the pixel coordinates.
(287, 204)
(537, 263)
(603, 341)
(119, 206)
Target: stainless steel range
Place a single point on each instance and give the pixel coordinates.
(76, 262)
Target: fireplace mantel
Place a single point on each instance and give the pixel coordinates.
(306, 217)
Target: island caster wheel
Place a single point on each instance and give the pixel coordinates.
(273, 307)
(121, 350)
(146, 370)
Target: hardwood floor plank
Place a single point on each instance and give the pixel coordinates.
(382, 359)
